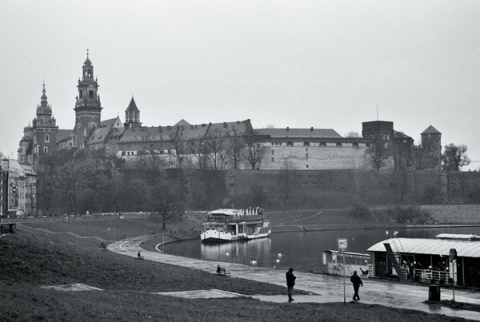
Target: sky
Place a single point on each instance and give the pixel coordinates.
(301, 64)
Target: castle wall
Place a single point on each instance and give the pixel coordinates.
(327, 157)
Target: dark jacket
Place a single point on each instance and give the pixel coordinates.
(290, 278)
(356, 280)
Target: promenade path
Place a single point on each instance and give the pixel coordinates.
(322, 288)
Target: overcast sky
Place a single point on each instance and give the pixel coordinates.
(326, 64)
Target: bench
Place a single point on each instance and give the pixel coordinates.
(222, 271)
(7, 228)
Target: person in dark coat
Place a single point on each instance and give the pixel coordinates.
(290, 283)
(357, 282)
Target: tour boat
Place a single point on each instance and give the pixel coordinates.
(227, 225)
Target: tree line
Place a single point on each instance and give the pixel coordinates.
(79, 180)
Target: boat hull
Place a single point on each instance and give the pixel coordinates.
(215, 236)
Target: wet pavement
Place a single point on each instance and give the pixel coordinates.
(323, 288)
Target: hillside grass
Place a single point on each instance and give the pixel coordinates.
(31, 259)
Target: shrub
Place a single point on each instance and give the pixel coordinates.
(412, 215)
(258, 195)
(360, 211)
(474, 194)
(431, 193)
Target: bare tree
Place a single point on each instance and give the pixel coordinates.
(234, 150)
(377, 153)
(199, 149)
(287, 179)
(215, 141)
(352, 134)
(165, 203)
(454, 157)
(254, 151)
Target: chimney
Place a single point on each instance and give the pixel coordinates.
(288, 129)
(311, 129)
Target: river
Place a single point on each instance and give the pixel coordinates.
(301, 250)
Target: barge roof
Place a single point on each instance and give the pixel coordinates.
(465, 248)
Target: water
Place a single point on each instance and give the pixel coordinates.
(301, 250)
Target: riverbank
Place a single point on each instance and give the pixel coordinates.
(32, 259)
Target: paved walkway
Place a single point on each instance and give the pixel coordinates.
(323, 288)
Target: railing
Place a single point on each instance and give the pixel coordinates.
(427, 275)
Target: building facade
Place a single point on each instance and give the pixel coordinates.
(226, 145)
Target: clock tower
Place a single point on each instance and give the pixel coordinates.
(88, 108)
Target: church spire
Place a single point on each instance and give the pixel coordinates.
(44, 108)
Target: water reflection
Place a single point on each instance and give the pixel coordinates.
(253, 252)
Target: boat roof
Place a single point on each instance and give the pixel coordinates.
(347, 253)
(465, 248)
(233, 212)
(227, 212)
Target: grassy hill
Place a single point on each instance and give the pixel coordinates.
(31, 259)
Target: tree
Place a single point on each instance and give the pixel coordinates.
(400, 182)
(377, 153)
(214, 141)
(454, 157)
(165, 203)
(199, 148)
(287, 179)
(234, 151)
(254, 151)
(352, 134)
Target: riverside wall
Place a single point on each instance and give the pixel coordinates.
(450, 185)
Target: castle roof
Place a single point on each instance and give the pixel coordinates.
(431, 130)
(100, 135)
(182, 122)
(63, 134)
(111, 122)
(401, 135)
(154, 133)
(299, 133)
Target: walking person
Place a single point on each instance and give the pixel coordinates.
(290, 283)
(357, 282)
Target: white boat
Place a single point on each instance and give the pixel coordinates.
(227, 225)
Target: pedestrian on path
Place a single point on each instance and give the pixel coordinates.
(290, 283)
(357, 282)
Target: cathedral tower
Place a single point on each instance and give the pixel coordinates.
(132, 115)
(45, 130)
(88, 108)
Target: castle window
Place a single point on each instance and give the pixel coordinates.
(45, 149)
(273, 152)
(273, 160)
(90, 94)
(81, 94)
(47, 138)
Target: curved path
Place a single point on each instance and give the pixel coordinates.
(324, 288)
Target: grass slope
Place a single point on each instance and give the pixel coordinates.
(31, 259)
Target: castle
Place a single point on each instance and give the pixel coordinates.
(227, 145)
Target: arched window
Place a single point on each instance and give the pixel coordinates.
(47, 138)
